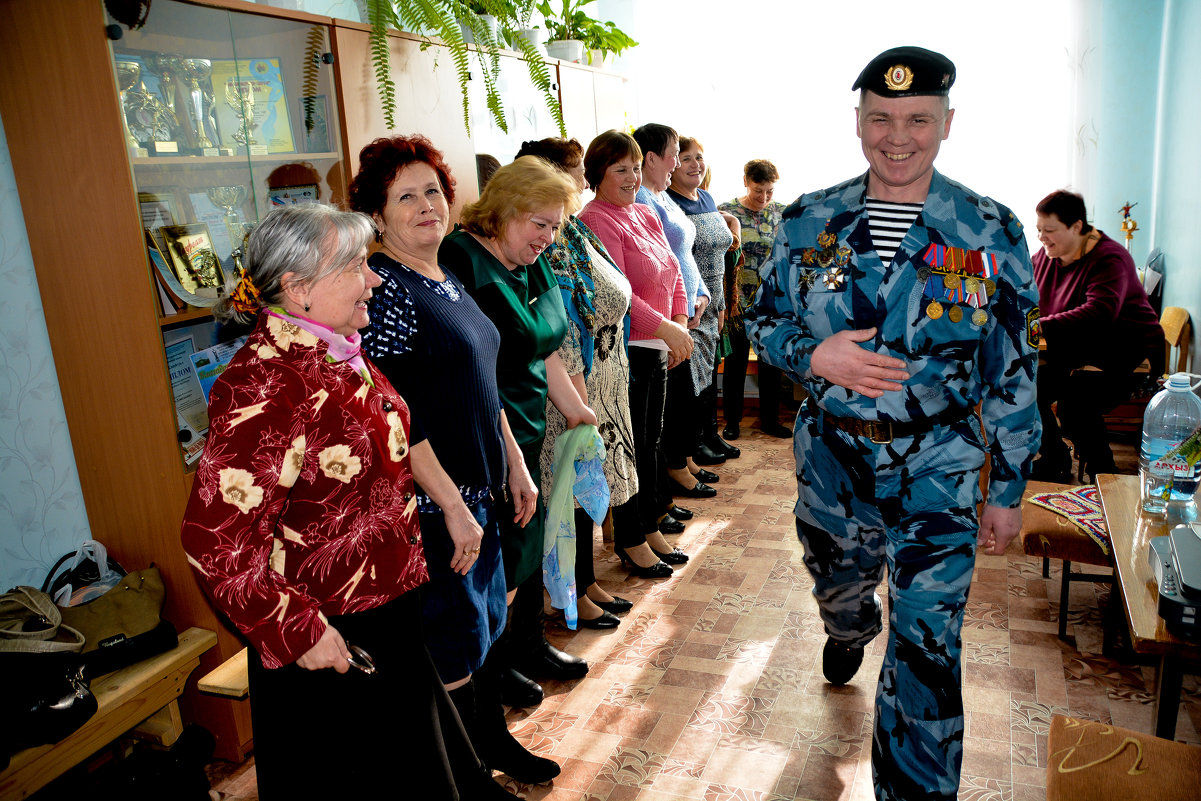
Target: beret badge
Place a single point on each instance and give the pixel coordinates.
(899, 78)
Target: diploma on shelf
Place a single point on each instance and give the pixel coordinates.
(185, 386)
(252, 110)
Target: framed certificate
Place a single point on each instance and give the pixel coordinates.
(291, 195)
(190, 252)
(251, 107)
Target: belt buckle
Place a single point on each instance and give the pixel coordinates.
(879, 432)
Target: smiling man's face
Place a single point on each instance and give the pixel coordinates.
(900, 138)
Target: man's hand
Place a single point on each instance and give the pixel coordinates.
(840, 360)
(998, 527)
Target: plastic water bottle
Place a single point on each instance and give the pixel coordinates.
(1172, 420)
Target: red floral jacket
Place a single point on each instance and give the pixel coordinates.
(303, 502)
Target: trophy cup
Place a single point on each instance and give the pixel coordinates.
(249, 114)
(196, 70)
(228, 198)
(128, 75)
(164, 110)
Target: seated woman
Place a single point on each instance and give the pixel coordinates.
(301, 527)
(439, 350)
(1096, 313)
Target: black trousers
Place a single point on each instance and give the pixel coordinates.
(648, 392)
(323, 734)
(733, 389)
(681, 426)
(585, 571)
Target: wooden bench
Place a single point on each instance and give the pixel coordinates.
(141, 697)
(228, 679)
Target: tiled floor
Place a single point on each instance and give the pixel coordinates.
(712, 689)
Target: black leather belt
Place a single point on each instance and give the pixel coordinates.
(882, 432)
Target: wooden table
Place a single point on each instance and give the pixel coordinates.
(1130, 531)
(141, 696)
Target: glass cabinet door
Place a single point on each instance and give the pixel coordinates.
(226, 115)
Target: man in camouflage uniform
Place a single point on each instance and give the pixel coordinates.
(896, 354)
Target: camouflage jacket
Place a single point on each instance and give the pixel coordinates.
(961, 348)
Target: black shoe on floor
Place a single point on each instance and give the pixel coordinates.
(659, 569)
(706, 477)
(719, 445)
(708, 456)
(618, 606)
(840, 661)
(675, 557)
(679, 512)
(546, 661)
(697, 490)
(607, 620)
(731, 432)
(669, 525)
(777, 430)
(516, 690)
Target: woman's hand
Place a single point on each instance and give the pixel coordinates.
(466, 534)
(702, 303)
(521, 487)
(329, 652)
(565, 392)
(678, 340)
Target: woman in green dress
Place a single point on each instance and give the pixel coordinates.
(497, 254)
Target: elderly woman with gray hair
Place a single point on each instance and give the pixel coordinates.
(302, 527)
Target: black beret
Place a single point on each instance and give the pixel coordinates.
(906, 72)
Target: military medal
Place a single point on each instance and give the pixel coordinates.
(934, 310)
(830, 260)
(990, 286)
(950, 281)
(955, 314)
(971, 286)
(979, 317)
(923, 274)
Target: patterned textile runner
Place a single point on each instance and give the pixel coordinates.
(1082, 506)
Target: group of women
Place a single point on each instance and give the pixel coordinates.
(391, 424)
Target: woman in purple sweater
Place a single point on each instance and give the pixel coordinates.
(659, 339)
(1096, 313)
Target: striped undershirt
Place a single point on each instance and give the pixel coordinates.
(888, 224)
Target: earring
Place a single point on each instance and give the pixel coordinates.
(307, 307)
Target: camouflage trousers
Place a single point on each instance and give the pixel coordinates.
(909, 505)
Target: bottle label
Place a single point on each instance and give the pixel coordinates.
(1177, 467)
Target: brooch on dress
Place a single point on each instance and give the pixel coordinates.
(826, 263)
(958, 277)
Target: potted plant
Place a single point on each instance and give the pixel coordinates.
(484, 13)
(521, 17)
(571, 30)
(604, 39)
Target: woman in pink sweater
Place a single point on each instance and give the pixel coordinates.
(659, 339)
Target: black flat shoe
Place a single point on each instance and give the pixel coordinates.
(731, 431)
(840, 661)
(708, 456)
(657, 570)
(697, 490)
(517, 690)
(547, 661)
(706, 477)
(777, 430)
(618, 606)
(675, 557)
(669, 525)
(719, 445)
(607, 620)
(679, 512)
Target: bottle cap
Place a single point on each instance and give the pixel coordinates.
(1179, 382)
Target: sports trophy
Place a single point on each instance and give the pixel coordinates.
(228, 198)
(197, 70)
(128, 75)
(239, 96)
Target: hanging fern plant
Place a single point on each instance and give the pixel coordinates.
(442, 18)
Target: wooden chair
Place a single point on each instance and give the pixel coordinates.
(1127, 417)
(1177, 335)
(1101, 762)
(1051, 536)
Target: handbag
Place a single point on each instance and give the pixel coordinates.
(46, 693)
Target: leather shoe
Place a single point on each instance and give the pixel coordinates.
(731, 431)
(669, 525)
(517, 690)
(545, 660)
(777, 430)
(708, 456)
(659, 569)
(840, 661)
(679, 512)
(706, 476)
(674, 557)
(607, 620)
(618, 606)
(697, 490)
(719, 445)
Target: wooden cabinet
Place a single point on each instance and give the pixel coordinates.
(87, 192)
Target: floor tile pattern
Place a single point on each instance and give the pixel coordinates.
(711, 689)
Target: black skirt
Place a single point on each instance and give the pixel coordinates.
(393, 734)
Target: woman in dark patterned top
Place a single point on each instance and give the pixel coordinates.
(439, 350)
(301, 527)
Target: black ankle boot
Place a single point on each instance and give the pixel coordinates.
(515, 689)
(532, 654)
(490, 735)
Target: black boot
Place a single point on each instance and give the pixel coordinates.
(479, 705)
(515, 689)
(532, 654)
